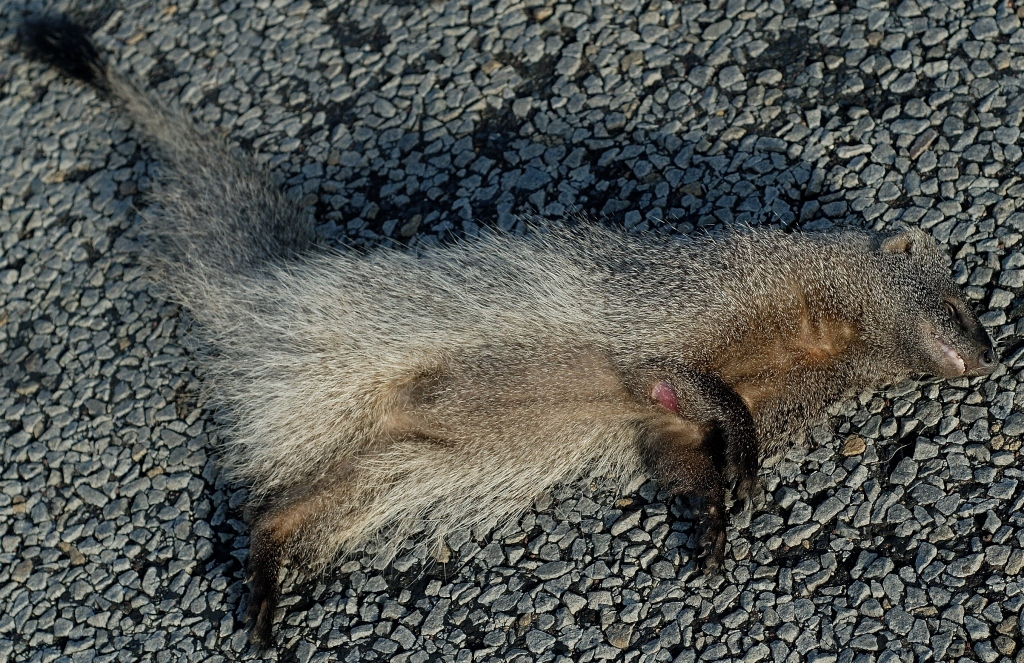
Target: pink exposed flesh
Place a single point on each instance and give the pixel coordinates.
(666, 396)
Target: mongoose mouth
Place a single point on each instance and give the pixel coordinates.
(953, 358)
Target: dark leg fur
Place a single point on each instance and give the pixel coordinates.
(739, 431)
(264, 566)
(268, 543)
(675, 454)
(705, 398)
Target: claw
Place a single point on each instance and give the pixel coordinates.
(744, 488)
(710, 561)
(743, 471)
(711, 543)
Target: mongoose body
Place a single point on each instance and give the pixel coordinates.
(386, 396)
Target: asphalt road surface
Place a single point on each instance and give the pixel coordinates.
(895, 534)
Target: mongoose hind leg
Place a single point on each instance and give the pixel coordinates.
(705, 398)
(675, 453)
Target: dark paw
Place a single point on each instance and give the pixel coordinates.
(711, 545)
(751, 498)
(260, 614)
(264, 566)
(745, 469)
(745, 488)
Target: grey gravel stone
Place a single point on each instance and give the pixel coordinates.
(552, 570)
(625, 523)
(435, 619)
(619, 635)
(829, 509)
(533, 179)
(905, 472)
(965, 566)
(1014, 425)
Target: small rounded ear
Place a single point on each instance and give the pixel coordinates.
(903, 242)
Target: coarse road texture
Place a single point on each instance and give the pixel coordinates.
(895, 534)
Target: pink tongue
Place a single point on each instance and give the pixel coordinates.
(666, 396)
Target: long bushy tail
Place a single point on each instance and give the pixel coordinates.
(219, 215)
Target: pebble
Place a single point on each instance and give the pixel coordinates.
(625, 523)
(965, 566)
(619, 635)
(552, 570)
(922, 143)
(853, 446)
(905, 472)
(21, 571)
(539, 641)
(533, 179)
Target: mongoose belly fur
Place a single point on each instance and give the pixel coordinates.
(387, 396)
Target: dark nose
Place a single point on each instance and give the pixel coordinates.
(987, 358)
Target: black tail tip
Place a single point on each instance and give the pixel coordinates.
(63, 44)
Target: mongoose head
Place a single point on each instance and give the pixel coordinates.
(939, 333)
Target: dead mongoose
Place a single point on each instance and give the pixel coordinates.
(386, 396)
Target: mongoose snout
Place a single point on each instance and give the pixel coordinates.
(962, 347)
(970, 363)
(975, 351)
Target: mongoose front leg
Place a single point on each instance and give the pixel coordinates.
(675, 453)
(704, 397)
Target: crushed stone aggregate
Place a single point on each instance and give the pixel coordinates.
(895, 533)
